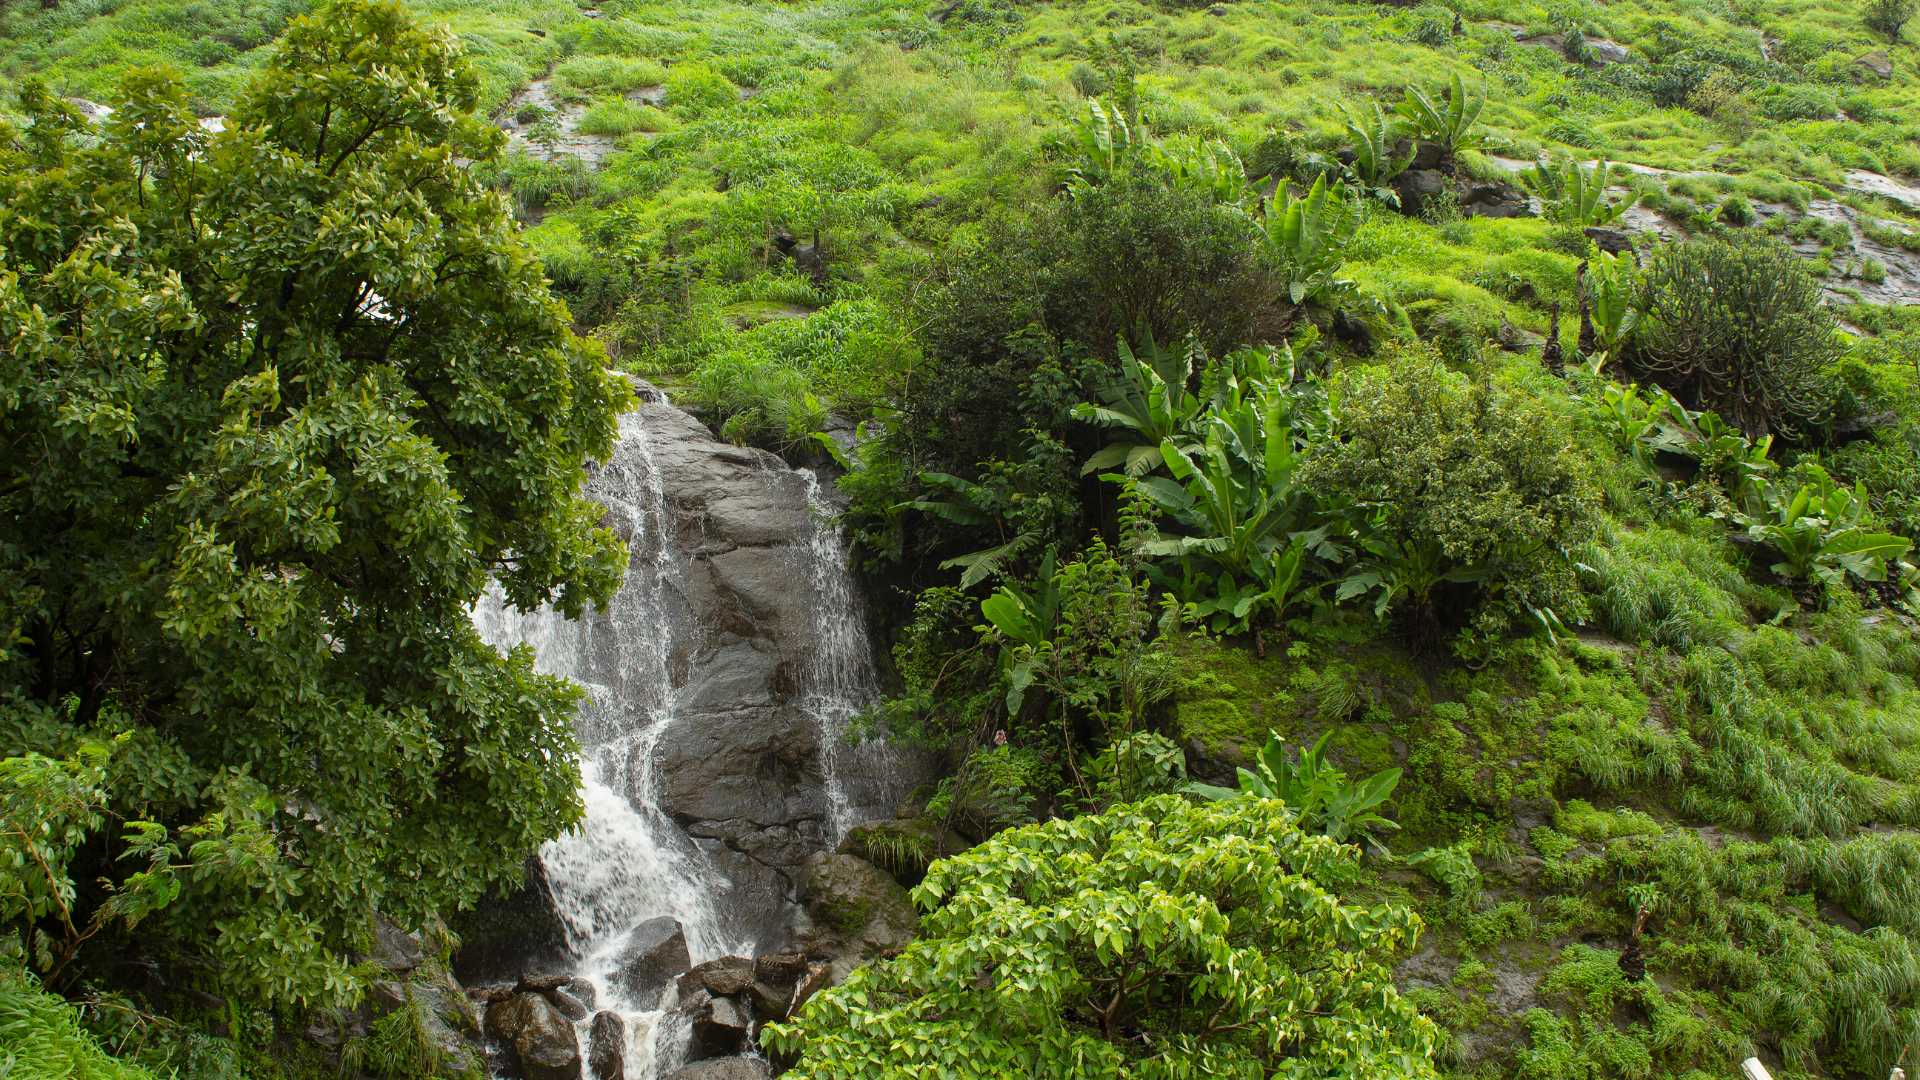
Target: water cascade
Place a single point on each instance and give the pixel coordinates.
(720, 682)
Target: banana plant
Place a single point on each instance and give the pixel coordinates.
(1448, 123)
(1148, 402)
(1306, 238)
(1820, 533)
(1742, 467)
(1573, 194)
(1316, 790)
(1107, 139)
(1377, 158)
(1211, 168)
(1611, 284)
(1026, 619)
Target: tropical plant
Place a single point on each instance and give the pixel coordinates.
(1448, 123)
(1022, 502)
(279, 400)
(1105, 138)
(1738, 465)
(1612, 284)
(1316, 791)
(1822, 533)
(1211, 168)
(1136, 766)
(1306, 239)
(1149, 400)
(1378, 156)
(1573, 194)
(1737, 325)
(1095, 947)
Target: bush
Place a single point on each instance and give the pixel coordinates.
(1888, 17)
(1094, 948)
(1463, 498)
(1734, 324)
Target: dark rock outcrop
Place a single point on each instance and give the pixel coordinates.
(654, 955)
(728, 976)
(607, 1047)
(538, 1040)
(858, 911)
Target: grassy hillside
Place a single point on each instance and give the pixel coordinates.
(794, 214)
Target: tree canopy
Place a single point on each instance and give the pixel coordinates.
(1159, 939)
(276, 403)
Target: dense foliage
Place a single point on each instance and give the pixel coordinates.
(1157, 939)
(278, 402)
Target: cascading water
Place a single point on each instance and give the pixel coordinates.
(630, 861)
(627, 862)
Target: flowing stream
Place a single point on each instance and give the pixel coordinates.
(629, 861)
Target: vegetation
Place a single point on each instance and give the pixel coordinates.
(1228, 496)
(1161, 939)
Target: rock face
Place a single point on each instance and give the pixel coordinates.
(504, 939)
(858, 911)
(538, 1040)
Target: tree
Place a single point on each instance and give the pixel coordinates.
(1888, 17)
(1159, 939)
(276, 404)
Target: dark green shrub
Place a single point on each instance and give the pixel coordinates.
(1463, 498)
(1888, 17)
(1734, 324)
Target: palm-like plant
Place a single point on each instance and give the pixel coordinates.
(1573, 194)
(1148, 402)
(1315, 789)
(1377, 158)
(1611, 284)
(1306, 238)
(1106, 138)
(1211, 168)
(1448, 123)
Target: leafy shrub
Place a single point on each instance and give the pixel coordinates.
(41, 1035)
(1091, 948)
(1888, 17)
(753, 398)
(695, 88)
(1322, 799)
(1735, 324)
(1462, 498)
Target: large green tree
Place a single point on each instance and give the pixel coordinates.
(275, 404)
(1161, 940)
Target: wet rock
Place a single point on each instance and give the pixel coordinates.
(1418, 188)
(737, 1068)
(858, 911)
(654, 955)
(716, 1026)
(729, 976)
(540, 1041)
(505, 937)
(776, 983)
(1496, 201)
(607, 1047)
(394, 949)
(570, 1007)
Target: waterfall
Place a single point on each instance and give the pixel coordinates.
(630, 860)
(627, 862)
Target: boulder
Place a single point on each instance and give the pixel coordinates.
(570, 1007)
(734, 1068)
(1429, 155)
(607, 1047)
(1495, 201)
(1876, 63)
(858, 911)
(716, 1026)
(539, 1040)
(1611, 241)
(776, 983)
(652, 957)
(1417, 189)
(728, 976)
(395, 950)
